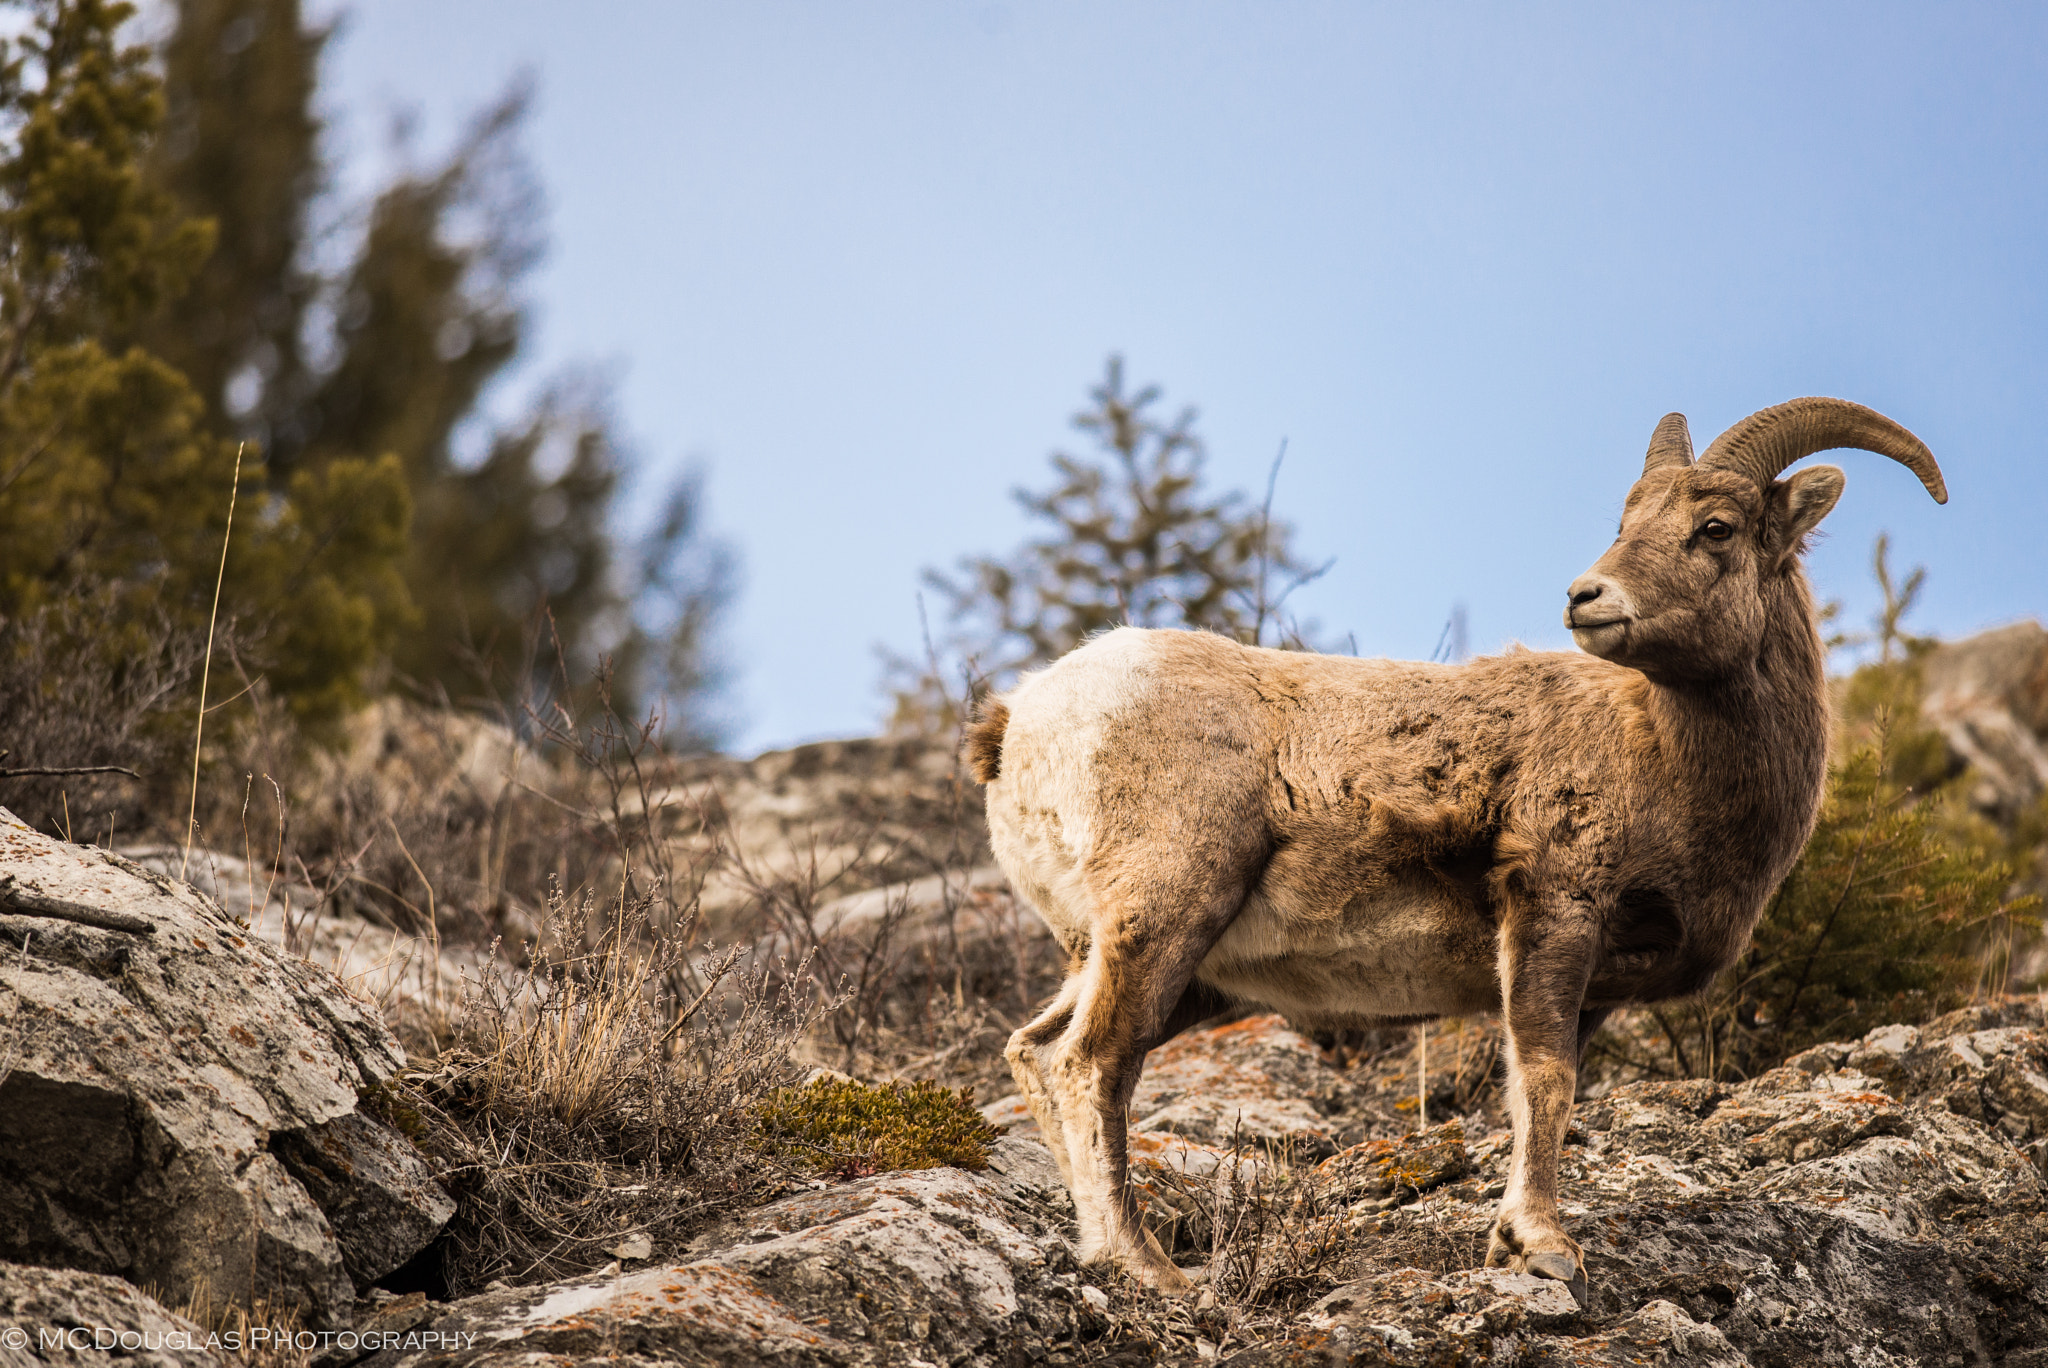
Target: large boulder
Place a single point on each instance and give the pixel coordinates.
(1989, 696)
(173, 1086)
(1987, 1063)
(52, 1316)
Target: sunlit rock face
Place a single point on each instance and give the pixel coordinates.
(936, 1266)
(179, 1100)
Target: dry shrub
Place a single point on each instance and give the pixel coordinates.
(253, 1332)
(928, 980)
(606, 1087)
(463, 821)
(926, 971)
(1276, 1233)
(71, 699)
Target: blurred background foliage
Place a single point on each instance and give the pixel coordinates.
(114, 478)
(1130, 534)
(177, 285)
(393, 352)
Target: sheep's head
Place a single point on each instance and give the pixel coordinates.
(1681, 593)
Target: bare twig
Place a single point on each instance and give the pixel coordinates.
(36, 903)
(42, 770)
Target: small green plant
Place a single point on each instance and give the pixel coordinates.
(850, 1129)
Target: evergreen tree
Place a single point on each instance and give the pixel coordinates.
(393, 357)
(240, 145)
(1133, 538)
(112, 484)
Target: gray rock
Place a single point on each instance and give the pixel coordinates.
(1801, 1217)
(863, 813)
(50, 1316)
(146, 1076)
(1252, 1080)
(1661, 1333)
(377, 1194)
(936, 1265)
(383, 964)
(1989, 696)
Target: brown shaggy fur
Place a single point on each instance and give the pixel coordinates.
(1545, 835)
(985, 743)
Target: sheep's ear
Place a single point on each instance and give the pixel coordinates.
(1796, 507)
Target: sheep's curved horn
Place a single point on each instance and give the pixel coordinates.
(1763, 444)
(1670, 444)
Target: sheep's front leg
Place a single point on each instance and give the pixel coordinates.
(1546, 961)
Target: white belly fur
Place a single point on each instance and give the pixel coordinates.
(1410, 952)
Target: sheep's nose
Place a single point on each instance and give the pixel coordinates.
(1595, 601)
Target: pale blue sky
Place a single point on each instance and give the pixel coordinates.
(865, 259)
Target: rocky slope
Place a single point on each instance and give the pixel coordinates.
(181, 1113)
(1875, 1202)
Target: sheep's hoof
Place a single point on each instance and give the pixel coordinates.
(1162, 1276)
(1561, 1268)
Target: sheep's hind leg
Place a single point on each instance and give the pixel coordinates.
(1136, 992)
(1544, 981)
(1025, 1053)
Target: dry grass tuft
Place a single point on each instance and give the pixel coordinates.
(253, 1332)
(605, 1087)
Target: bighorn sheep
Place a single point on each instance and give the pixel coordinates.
(1548, 835)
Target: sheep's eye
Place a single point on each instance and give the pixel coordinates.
(1716, 530)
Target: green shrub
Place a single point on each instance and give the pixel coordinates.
(1893, 913)
(850, 1129)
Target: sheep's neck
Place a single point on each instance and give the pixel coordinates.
(1762, 731)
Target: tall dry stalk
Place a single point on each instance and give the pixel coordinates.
(206, 669)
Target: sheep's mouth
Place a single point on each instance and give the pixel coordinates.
(1586, 622)
(1600, 636)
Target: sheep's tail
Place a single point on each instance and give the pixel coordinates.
(985, 742)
